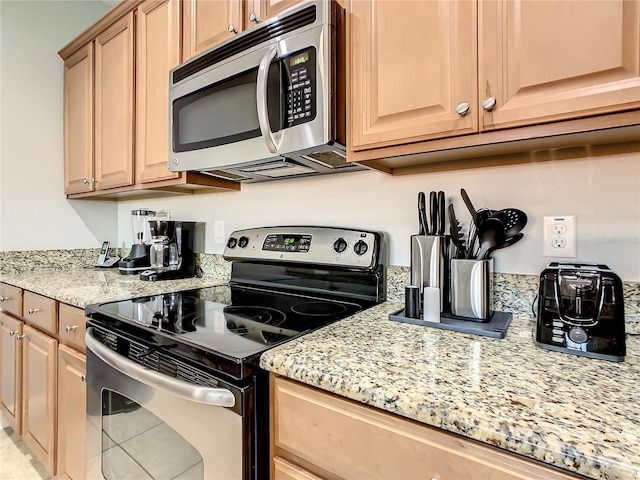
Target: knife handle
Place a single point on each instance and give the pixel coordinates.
(442, 219)
(422, 214)
(433, 212)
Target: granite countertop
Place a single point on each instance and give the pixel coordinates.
(83, 286)
(576, 413)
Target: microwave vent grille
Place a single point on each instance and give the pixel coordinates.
(253, 37)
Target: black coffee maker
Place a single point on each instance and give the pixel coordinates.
(171, 253)
(581, 311)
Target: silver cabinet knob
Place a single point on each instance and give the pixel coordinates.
(254, 18)
(83, 378)
(93, 180)
(463, 108)
(4, 299)
(20, 337)
(12, 332)
(489, 103)
(85, 181)
(33, 310)
(232, 28)
(70, 328)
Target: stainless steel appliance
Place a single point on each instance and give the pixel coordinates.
(266, 104)
(173, 384)
(172, 250)
(581, 311)
(138, 258)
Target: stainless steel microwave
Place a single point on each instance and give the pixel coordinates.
(266, 104)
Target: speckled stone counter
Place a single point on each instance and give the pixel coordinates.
(572, 412)
(82, 286)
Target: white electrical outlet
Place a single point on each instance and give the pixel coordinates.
(218, 231)
(559, 236)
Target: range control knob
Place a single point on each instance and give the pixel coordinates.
(360, 248)
(243, 242)
(340, 245)
(232, 242)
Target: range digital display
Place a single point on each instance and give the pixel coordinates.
(287, 243)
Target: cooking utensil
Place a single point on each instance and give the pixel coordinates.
(490, 233)
(442, 220)
(507, 243)
(467, 202)
(457, 237)
(433, 213)
(422, 214)
(514, 220)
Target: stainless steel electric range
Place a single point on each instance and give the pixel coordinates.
(174, 389)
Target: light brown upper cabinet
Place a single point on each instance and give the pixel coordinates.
(452, 76)
(116, 104)
(408, 78)
(207, 23)
(157, 48)
(78, 121)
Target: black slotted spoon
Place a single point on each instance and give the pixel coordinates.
(514, 220)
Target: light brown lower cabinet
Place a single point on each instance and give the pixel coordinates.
(11, 362)
(72, 404)
(315, 435)
(39, 372)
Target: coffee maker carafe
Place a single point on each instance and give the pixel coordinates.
(171, 252)
(138, 258)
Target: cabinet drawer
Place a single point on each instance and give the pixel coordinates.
(10, 299)
(283, 470)
(41, 312)
(71, 326)
(350, 440)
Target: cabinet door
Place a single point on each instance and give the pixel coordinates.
(264, 9)
(157, 51)
(114, 105)
(411, 64)
(72, 406)
(549, 61)
(11, 355)
(39, 378)
(10, 299)
(207, 23)
(78, 121)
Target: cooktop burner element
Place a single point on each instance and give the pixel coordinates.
(277, 292)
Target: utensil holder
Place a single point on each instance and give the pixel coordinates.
(472, 289)
(429, 264)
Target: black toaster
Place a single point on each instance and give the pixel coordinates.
(581, 311)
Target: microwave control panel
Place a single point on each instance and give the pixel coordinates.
(300, 78)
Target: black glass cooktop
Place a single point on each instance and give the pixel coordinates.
(237, 323)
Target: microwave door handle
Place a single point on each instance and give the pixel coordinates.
(272, 140)
(219, 397)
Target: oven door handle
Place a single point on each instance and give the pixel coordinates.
(271, 139)
(219, 397)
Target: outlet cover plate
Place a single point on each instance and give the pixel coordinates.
(559, 236)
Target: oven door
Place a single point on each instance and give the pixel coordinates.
(146, 425)
(263, 103)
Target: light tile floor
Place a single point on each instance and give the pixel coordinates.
(16, 462)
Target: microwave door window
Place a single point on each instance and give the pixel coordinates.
(225, 112)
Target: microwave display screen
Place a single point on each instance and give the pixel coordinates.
(298, 59)
(287, 243)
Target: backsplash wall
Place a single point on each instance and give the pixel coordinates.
(603, 192)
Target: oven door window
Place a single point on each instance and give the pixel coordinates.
(226, 112)
(137, 444)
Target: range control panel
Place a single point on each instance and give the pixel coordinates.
(313, 245)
